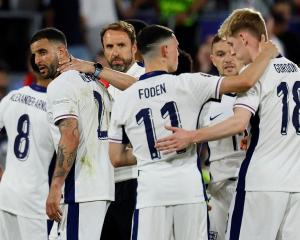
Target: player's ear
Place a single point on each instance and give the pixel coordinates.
(243, 37)
(62, 52)
(212, 59)
(134, 48)
(164, 50)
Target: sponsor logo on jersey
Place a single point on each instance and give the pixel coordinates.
(211, 118)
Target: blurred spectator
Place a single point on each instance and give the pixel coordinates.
(296, 8)
(96, 14)
(281, 12)
(262, 6)
(270, 29)
(65, 15)
(140, 9)
(4, 4)
(182, 16)
(24, 5)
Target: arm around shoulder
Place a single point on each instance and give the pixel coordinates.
(247, 79)
(233, 125)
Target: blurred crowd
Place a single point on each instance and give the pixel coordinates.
(193, 21)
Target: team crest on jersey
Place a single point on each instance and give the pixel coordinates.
(212, 235)
(205, 74)
(87, 77)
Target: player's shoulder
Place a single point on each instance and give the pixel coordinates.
(66, 77)
(196, 76)
(281, 64)
(63, 81)
(136, 70)
(278, 68)
(14, 92)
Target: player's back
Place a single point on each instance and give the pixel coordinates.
(24, 186)
(80, 96)
(156, 100)
(272, 162)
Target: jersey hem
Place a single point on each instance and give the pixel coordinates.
(169, 203)
(24, 215)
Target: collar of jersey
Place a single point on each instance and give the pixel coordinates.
(151, 74)
(38, 88)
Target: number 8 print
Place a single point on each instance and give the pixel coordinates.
(21, 145)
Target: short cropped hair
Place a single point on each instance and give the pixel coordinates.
(137, 24)
(152, 35)
(215, 40)
(52, 34)
(120, 26)
(243, 19)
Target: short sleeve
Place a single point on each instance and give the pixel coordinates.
(249, 99)
(202, 86)
(61, 100)
(116, 132)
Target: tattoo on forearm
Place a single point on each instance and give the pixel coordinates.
(66, 153)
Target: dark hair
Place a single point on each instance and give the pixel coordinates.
(215, 40)
(185, 63)
(138, 25)
(120, 26)
(150, 35)
(33, 64)
(52, 34)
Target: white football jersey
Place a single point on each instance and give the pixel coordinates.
(128, 172)
(25, 184)
(141, 112)
(225, 156)
(81, 96)
(272, 160)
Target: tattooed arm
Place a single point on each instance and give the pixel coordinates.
(66, 154)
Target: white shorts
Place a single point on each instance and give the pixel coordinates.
(16, 227)
(80, 221)
(221, 195)
(264, 215)
(178, 222)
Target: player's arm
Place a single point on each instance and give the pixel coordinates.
(66, 154)
(117, 79)
(120, 155)
(181, 138)
(248, 78)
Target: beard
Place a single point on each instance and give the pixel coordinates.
(121, 67)
(50, 71)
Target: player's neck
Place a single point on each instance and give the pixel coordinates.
(155, 66)
(253, 54)
(43, 82)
